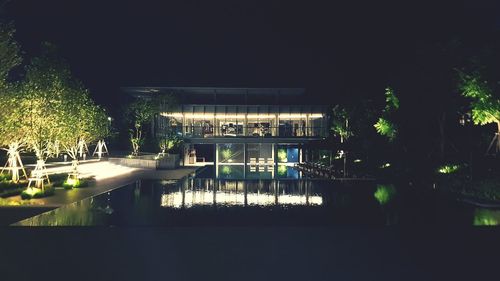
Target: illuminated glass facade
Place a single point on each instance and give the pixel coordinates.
(202, 121)
(254, 132)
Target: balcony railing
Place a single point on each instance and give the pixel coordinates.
(241, 131)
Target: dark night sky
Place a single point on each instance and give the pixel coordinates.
(330, 48)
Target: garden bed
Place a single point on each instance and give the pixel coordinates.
(8, 188)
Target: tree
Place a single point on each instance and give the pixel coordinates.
(11, 137)
(485, 107)
(9, 52)
(385, 126)
(139, 112)
(11, 132)
(82, 122)
(143, 111)
(170, 143)
(340, 123)
(43, 92)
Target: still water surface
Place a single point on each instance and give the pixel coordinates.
(201, 201)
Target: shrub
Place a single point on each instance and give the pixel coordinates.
(8, 185)
(85, 182)
(5, 177)
(58, 179)
(11, 192)
(37, 193)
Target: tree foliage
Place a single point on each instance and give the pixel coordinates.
(49, 109)
(340, 123)
(385, 126)
(44, 90)
(485, 107)
(139, 113)
(83, 120)
(142, 111)
(9, 51)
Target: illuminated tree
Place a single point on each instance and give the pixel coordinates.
(385, 126)
(485, 107)
(45, 93)
(11, 135)
(170, 141)
(9, 52)
(82, 122)
(140, 112)
(340, 123)
(169, 144)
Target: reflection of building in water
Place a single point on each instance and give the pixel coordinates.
(206, 192)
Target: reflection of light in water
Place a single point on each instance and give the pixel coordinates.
(204, 198)
(384, 193)
(486, 217)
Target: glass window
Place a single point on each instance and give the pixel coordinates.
(230, 153)
(261, 126)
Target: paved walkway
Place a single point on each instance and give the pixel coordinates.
(63, 197)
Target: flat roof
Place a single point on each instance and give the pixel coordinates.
(214, 90)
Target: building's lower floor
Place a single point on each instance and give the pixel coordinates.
(245, 160)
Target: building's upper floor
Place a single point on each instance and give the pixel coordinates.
(247, 121)
(239, 112)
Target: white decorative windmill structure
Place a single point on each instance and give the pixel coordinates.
(100, 149)
(14, 163)
(82, 148)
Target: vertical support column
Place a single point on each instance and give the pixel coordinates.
(275, 156)
(216, 161)
(308, 126)
(322, 129)
(185, 154)
(276, 186)
(245, 192)
(245, 162)
(215, 133)
(277, 125)
(245, 124)
(300, 154)
(216, 187)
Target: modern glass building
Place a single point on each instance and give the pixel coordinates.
(243, 132)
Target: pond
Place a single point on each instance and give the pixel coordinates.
(292, 201)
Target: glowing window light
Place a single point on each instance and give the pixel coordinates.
(316, 115)
(240, 116)
(299, 115)
(229, 116)
(260, 116)
(175, 114)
